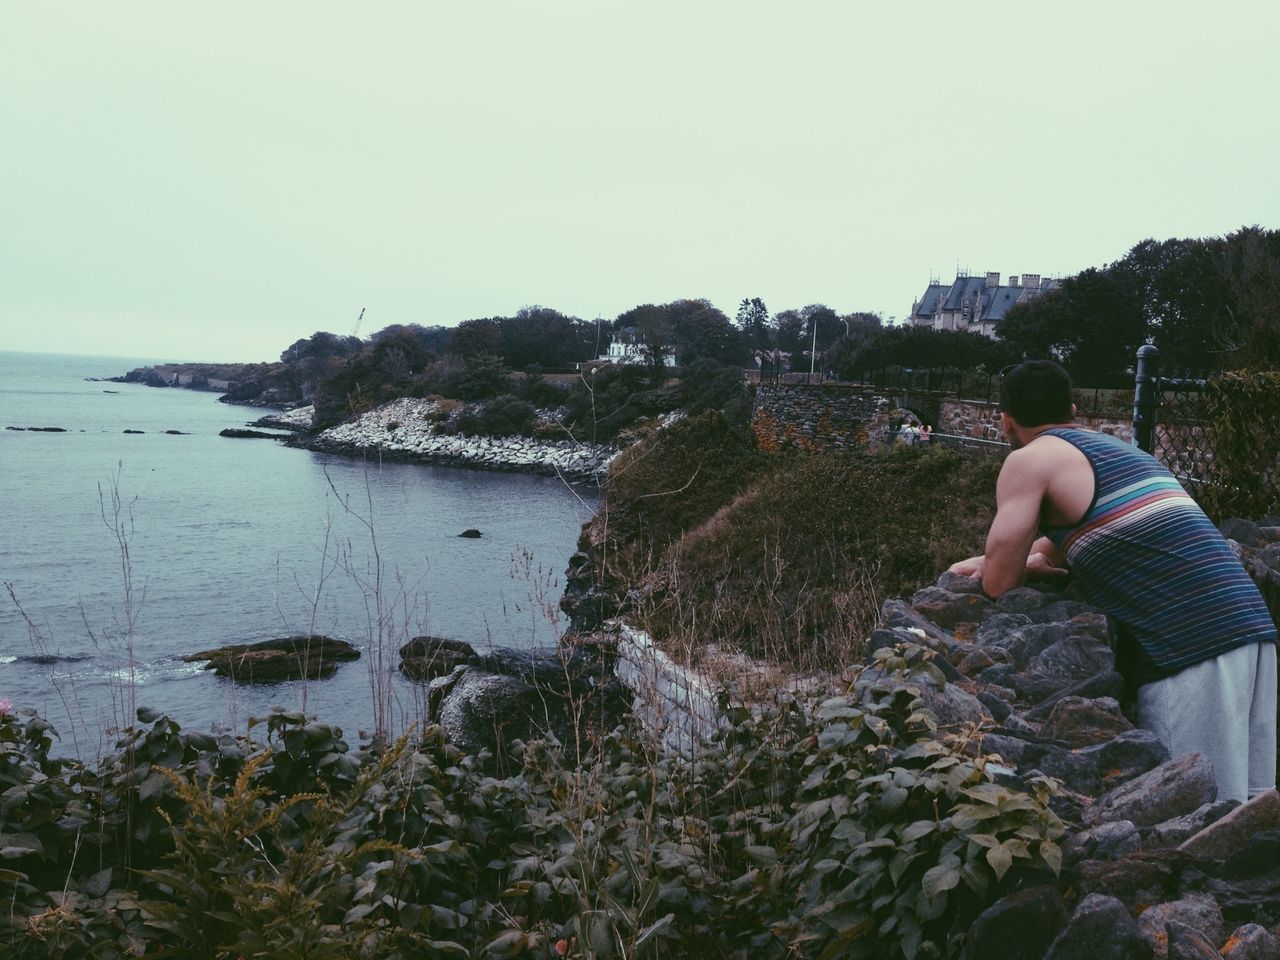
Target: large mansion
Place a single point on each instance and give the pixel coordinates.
(975, 304)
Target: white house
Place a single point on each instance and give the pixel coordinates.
(627, 346)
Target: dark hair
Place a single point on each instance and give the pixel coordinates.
(1036, 392)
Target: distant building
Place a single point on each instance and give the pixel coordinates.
(628, 347)
(975, 304)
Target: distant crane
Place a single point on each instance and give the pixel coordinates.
(359, 320)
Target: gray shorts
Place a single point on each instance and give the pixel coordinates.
(1224, 708)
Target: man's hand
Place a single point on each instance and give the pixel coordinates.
(1042, 567)
(971, 567)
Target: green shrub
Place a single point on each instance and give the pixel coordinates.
(845, 830)
(501, 417)
(1244, 423)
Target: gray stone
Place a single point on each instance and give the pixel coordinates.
(1100, 929)
(1014, 750)
(1244, 532)
(996, 705)
(1027, 642)
(1025, 600)
(1174, 831)
(487, 711)
(1251, 942)
(1020, 926)
(1064, 610)
(1232, 833)
(1128, 755)
(1001, 675)
(1171, 789)
(1109, 684)
(974, 662)
(898, 613)
(1063, 664)
(998, 625)
(1107, 841)
(954, 583)
(948, 609)
(953, 707)
(1196, 910)
(1082, 722)
(424, 658)
(1145, 877)
(1187, 943)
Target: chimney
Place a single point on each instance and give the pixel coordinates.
(993, 279)
(1013, 279)
(1031, 280)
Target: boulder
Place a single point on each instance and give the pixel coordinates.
(273, 661)
(954, 583)
(238, 433)
(897, 613)
(1063, 664)
(1177, 829)
(948, 609)
(1171, 789)
(1232, 833)
(1025, 600)
(1145, 877)
(1024, 643)
(424, 658)
(1109, 684)
(1082, 722)
(1106, 841)
(1251, 942)
(1017, 927)
(1196, 910)
(1188, 943)
(1100, 929)
(471, 533)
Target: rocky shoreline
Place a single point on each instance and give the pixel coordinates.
(406, 429)
(1153, 864)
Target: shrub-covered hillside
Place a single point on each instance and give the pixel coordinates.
(783, 556)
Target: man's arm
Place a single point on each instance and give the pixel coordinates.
(1020, 491)
(1045, 560)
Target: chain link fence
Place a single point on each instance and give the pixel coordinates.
(1171, 421)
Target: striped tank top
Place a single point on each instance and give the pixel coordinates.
(1146, 554)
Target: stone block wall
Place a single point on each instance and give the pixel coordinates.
(812, 416)
(980, 420)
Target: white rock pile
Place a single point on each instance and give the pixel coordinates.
(406, 429)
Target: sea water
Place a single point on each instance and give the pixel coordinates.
(122, 552)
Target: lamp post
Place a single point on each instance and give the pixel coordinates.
(813, 350)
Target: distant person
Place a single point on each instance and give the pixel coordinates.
(1194, 633)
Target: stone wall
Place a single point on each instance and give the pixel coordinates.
(812, 416)
(980, 420)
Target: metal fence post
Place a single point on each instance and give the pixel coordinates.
(1146, 396)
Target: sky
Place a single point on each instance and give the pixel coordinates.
(215, 181)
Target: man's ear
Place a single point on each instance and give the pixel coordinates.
(1073, 411)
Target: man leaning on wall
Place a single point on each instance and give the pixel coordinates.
(1193, 631)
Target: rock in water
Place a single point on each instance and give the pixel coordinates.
(239, 434)
(471, 534)
(273, 661)
(424, 658)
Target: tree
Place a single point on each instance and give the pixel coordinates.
(825, 322)
(700, 331)
(753, 321)
(788, 331)
(474, 337)
(540, 336)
